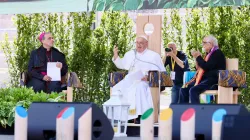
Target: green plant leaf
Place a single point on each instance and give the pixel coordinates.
(131, 5)
(51, 100)
(107, 4)
(140, 4)
(116, 6)
(150, 2)
(181, 4)
(20, 103)
(100, 6)
(168, 5)
(191, 3)
(153, 5)
(11, 118)
(161, 3)
(204, 3)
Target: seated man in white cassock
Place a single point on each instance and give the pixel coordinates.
(134, 88)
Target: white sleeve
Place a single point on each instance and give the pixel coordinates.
(159, 63)
(125, 62)
(118, 62)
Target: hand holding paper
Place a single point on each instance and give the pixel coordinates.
(59, 65)
(46, 78)
(53, 71)
(145, 78)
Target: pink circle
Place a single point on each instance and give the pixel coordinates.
(187, 114)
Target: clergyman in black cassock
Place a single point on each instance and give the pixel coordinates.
(37, 67)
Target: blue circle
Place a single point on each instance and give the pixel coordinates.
(68, 112)
(218, 115)
(21, 111)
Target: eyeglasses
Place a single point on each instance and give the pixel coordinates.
(140, 43)
(204, 42)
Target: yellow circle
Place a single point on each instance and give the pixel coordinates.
(166, 114)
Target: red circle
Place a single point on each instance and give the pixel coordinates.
(187, 114)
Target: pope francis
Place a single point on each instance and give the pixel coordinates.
(134, 88)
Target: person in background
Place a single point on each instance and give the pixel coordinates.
(207, 71)
(178, 64)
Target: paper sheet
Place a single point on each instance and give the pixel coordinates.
(53, 71)
(128, 80)
(135, 76)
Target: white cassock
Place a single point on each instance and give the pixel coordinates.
(135, 91)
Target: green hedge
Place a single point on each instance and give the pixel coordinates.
(12, 97)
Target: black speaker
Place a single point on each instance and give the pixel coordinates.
(203, 117)
(42, 120)
(235, 127)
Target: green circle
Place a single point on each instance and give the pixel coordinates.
(147, 114)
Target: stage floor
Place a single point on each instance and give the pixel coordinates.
(11, 137)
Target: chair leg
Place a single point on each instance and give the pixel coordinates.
(156, 102)
(69, 94)
(216, 98)
(225, 95)
(235, 99)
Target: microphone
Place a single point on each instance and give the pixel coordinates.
(146, 61)
(135, 52)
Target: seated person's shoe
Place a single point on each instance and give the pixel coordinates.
(131, 121)
(138, 120)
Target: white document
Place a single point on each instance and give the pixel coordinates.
(128, 80)
(136, 76)
(53, 71)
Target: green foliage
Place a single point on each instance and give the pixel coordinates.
(165, 31)
(82, 63)
(12, 97)
(11, 61)
(101, 5)
(29, 29)
(240, 40)
(176, 29)
(196, 30)
(117, 28)
(248, 107)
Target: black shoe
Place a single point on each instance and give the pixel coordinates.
(138, 120)
(131, 121)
